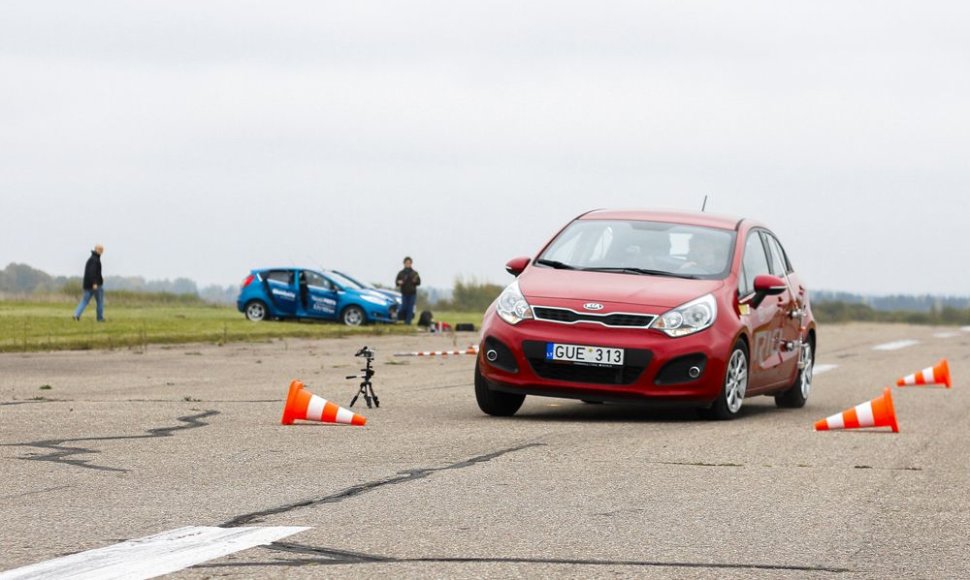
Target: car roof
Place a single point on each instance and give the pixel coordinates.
(286, 268)
(666, 216)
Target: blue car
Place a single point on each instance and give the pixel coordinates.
(300, 293)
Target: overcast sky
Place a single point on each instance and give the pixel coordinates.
(202, 139)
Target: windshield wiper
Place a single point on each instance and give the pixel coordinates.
(645, 271)
(555, 264)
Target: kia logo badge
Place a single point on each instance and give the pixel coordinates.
(593, 306)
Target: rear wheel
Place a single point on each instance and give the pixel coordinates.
(796, 395)
(255, 311)
(728, 403)
(353, 316)
(494, 402)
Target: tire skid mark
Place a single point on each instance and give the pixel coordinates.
(61, 453)
(331, 557)
(467, 384)
(26, 493)
(362, 488)
(35, 402)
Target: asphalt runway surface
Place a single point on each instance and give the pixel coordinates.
(126, 445)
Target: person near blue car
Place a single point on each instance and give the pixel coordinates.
(93, 284)
(408, 281)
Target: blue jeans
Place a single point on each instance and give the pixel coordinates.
(98, 297)
(406, 313)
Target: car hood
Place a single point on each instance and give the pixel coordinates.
(636, 289)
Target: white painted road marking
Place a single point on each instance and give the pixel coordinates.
(819, 369)
(153, 556)
(895, 345)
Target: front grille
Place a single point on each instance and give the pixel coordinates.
(566, 316)
(636, 361)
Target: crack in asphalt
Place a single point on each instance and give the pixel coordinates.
(61, 453)
(356, 490)
(331, 557)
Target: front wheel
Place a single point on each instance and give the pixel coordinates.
(353, 316)
(728, 403)
(255, 311)
(493, 402)
(796, 395)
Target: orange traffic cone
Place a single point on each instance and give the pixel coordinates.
(304, 405)
(878, 412)
(935, 375)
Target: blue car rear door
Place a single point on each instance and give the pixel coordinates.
(321, 296)
(282, 292)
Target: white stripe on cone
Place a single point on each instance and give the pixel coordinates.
(864, 413)
(314, 411)
(835, 421)
(344, 415)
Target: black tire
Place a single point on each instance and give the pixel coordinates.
(353, 316)
(256, 311)
(797, 394)
(733, 387)
(492, 402)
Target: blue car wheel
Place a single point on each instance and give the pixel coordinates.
(353, 316)
(255, 311)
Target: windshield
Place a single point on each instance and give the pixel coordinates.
(345, 281)
(642, 247)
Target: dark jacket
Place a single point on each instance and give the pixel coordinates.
(408, 281)
(92, 272)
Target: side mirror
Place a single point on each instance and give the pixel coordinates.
(515, 266)
(767, 285)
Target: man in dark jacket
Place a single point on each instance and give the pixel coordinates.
(407, 282)
(93, 284)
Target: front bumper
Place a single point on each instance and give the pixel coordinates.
(657, 368)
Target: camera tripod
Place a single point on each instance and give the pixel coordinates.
(366, 387)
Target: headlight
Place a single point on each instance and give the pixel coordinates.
(512, 306)
(689, 318)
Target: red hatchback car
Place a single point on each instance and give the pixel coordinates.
(650, 307)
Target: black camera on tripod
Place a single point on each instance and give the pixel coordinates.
(366, 387)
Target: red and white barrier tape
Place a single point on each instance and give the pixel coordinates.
(470, 350)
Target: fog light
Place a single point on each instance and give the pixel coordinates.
(694, 372)
(491, 355)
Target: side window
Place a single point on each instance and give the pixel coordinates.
(754, 264)
(281, 277)
(779, 263)
(317, 281)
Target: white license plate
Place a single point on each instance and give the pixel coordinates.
(591, 355)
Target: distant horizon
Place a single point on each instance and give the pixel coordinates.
(200, 286)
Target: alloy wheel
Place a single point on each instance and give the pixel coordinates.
(736, 381)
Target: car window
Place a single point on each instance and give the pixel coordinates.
(345, 280)
(633, 245)
(315, 280)
(281, 277)
(755, 263)
(778, 265)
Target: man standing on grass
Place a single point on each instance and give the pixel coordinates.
(407, 282)
(93, 284)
